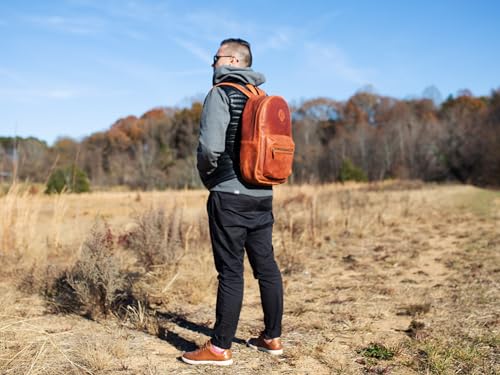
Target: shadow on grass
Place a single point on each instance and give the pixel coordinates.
(179, 342)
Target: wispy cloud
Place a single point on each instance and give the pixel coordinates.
(61, 94)
(86, 26)
(331, 60)
(11, 76)
(136, 35)
(193, 48)
(211, 24)
(136, 10)
(278, 39)
(144, 72)
(74, 25)
(200, 31)
(56, 93)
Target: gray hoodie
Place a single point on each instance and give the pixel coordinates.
(215, 118)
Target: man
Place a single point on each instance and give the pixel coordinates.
(240, 215)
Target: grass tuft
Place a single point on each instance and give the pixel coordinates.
(377, 351)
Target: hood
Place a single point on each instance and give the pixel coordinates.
(232, 73)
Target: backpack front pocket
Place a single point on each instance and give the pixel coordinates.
(278, 158)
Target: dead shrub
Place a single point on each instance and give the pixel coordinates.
(157, 239)
(36, 278)
(95, 285)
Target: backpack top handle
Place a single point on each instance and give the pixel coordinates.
(249, 90)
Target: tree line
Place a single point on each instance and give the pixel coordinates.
(383, 137)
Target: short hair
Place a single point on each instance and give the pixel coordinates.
(241, 47)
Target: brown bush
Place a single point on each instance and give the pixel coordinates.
(157, 239)
(95, 285)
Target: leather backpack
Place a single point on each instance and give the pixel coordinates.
(267, 147)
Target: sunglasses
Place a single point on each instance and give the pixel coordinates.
(217, 57)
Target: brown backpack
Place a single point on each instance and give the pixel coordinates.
(267, 147)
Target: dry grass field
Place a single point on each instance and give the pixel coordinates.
(392, 278)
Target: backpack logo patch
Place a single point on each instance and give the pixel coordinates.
(281, 115)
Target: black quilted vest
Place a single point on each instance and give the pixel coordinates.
(228, 164)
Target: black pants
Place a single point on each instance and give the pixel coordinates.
(239, 222)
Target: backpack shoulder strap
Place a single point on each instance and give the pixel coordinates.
(255, 90)
(248, 90)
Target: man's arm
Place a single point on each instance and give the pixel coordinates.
(214, 121)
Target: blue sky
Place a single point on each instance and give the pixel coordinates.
(73, 67)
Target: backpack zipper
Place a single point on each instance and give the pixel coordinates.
(282, 150)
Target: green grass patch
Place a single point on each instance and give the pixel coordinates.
(437, 358)
(377, 351)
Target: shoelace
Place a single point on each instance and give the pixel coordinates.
(203, 347)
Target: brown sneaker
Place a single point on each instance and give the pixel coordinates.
(271, 346)
(206, 356)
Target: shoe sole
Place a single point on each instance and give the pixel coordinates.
(268, 351)
(215, 363)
